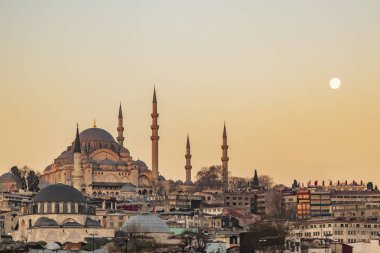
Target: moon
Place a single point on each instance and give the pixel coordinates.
(335, 83)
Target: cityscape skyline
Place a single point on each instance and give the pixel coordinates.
(262, 72)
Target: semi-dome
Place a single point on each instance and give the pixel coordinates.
(140, 163)
(121, 163)
(71, 224)
(106, 162)
(96, 134)
(145, 223)
(67, 154)
(91, 223)
(47, 168)
(128, 188)
(59, 192)
(45, 222)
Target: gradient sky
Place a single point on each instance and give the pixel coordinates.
(262, 66)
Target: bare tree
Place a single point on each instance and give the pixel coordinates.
(273, 201)
(238, 182)
(266, 181)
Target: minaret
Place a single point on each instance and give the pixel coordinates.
(255, 182)
(225, 159)
(77, 175)
(188, 161)
(120, 128)
(154, 138)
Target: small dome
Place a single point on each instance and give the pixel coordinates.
(52, 246)
(96, 134)
(145, 223)
(47, 168)
(66, 155)
(124, 151)
(188, 183)
(45, 222)
(59, 192)
(178, 182)
(140, 164)
(91, 223)
(161, 178)
(121, 163)
(106, 162)
(128, 188)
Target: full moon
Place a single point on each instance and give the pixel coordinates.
(335, 83)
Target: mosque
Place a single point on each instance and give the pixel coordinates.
(97, 165)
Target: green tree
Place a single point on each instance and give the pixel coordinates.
(211, 176)
(33, 181)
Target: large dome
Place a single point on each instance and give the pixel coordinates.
(145, 223)
(59, 192)
(96, 134)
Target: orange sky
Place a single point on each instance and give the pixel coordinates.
(263, 67)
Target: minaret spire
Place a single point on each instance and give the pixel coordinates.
(77, 175)
(77, 148)
(188, 161)
(154, 137)
(120, 128)
(255, 182)
(225, 159)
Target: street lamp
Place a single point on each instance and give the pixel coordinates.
(93, 241)
(261, 244)
(126, 240)
(327, 235)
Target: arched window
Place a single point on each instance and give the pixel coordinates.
(45, 207)
(39, 208)
(69, 210)
(76, 208)
(60, 210)
(35, 209)
(72, 208)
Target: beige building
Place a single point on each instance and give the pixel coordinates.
(59, 213)
(98, 165)
(344, 230)
(8, 222)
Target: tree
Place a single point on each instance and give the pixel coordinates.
(196, 241)
(211, 176)
(266, 181)
(33, 181)
(19, 174)
(295, 184)
(273, 202)
(267, 236)
(238, 182)
(29, 178)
